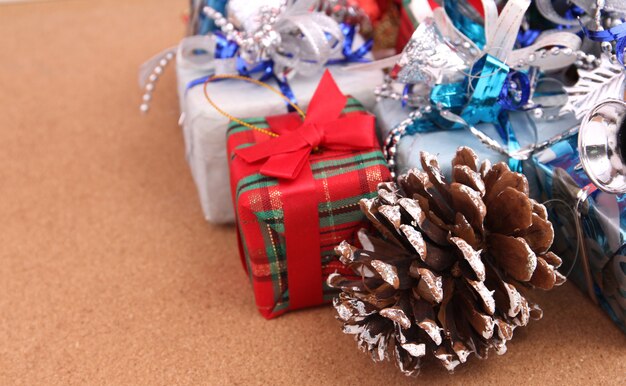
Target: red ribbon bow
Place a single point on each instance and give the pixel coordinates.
(287, 157)
(323, 127)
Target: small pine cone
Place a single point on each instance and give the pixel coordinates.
(448, 272)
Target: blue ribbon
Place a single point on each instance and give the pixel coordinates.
(505, 129)
(469, 28)
(197, 82)
(226, 49)
(406, 91)
(490, 81)
(617, 33)
(523, 83)
(349, 54)
(574, 12)
(425, 124)
(451, 96)
(528, 37)
(489, 102)
(488, 77)
(267, 68)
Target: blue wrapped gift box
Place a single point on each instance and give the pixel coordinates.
(599, 269)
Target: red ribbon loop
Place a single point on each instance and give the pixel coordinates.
(324, 126)
(311, 134)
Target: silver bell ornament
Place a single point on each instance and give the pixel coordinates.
(602, 145)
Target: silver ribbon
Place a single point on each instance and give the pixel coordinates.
(308, 39)
(294, 39)
(501, 33)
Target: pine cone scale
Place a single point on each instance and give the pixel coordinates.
(514, 255)
(469, 202)
(472, 257)
(509, 212)
(415, 213)
(463, 174)
(539, 235)
(544, 276)
(425, 319)
(430, 286)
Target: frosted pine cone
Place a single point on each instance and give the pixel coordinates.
(448, 272)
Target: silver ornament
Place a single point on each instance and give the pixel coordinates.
(606, 81)
(601, 145)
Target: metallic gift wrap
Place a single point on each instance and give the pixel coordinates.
(599, 269)
(528, 130)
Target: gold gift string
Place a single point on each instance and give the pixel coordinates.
(258, 83)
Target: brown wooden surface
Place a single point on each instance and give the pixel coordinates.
(108, 272)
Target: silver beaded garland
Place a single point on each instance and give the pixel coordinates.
(156, 72)
(255, 45)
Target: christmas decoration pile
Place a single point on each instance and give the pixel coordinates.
(540, 85)
(451, 254)
(447, 271)
(517, 78)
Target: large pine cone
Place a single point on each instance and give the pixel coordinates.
(448, 273)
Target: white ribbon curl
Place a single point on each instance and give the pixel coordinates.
(501, 33)
(308, 39)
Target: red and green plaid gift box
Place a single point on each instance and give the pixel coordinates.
(341, 179)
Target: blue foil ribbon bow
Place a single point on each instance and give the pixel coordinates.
(522, 81)
(490, 79)
(489, 102)
(487, 80)
(527, 37)
(469, 28)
